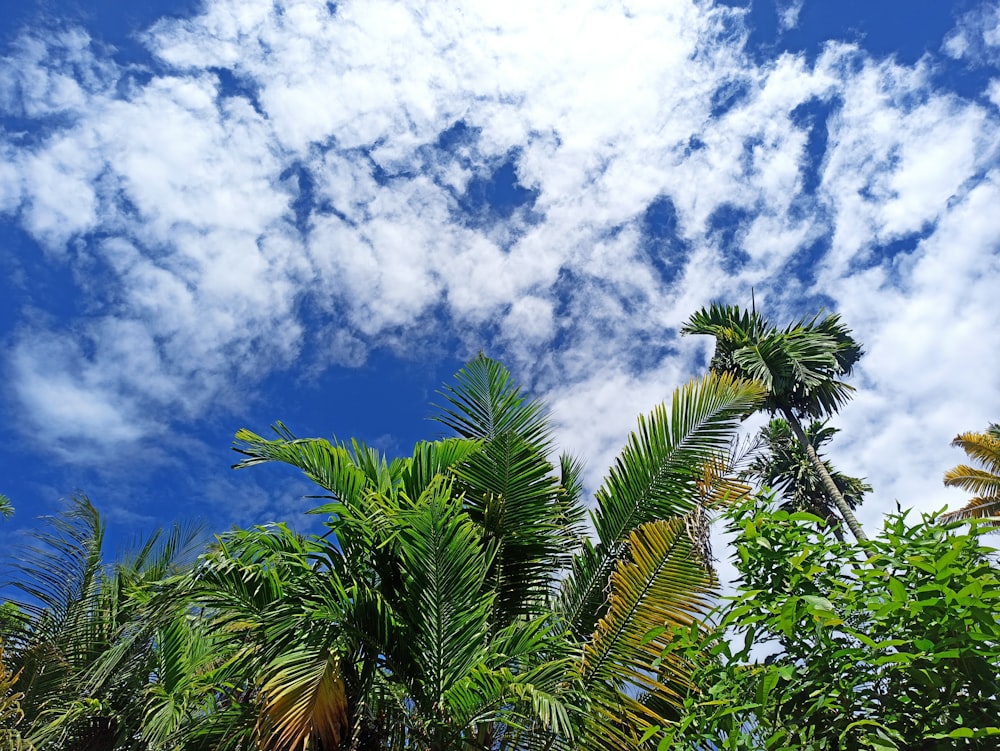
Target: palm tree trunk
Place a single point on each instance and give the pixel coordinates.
(829, 485)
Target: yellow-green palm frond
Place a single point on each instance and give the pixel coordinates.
(663, 585)
(718, 487)
(658, 475)
(983, 447)
(983, 481)
(977, 481)
(978, 508)
(304, 702)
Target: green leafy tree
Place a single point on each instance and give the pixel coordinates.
(800, 366)
(984, 480)
(784, 468)
(893, 645)
(455, 601)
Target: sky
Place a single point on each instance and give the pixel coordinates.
(220, 214)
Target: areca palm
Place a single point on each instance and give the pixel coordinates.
(786, 469)
(800, 366)
(455, 602)
(983, 481)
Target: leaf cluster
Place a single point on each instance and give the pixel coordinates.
(830, 645)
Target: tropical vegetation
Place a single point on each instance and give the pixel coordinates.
(784, 468)
(800, 366)
(455, 600)
(983, 449)
(466, 596)
(827, 644)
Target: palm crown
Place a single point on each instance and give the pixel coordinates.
(800, 367)
(983, 481)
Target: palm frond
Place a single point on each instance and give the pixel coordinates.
(510, 492)
(444, 563)
(304, 702)
(659, 475)
(978, 481)
(663, 585)
(983, 447)
(486, 403)
(330, 466)
(985, 508)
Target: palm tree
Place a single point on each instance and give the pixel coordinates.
(800, 366)
(455, 601)
(78, 632)
(6, 508)
(984, 481)
(785, 468)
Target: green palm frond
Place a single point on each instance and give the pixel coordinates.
(444, 563)
(663, 585)
(6, 507)
(511, 487)
(511, 491)
(658, 475)
(328, 465)
(800, 365)
(486, 403)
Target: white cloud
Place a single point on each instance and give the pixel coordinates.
(183, 206)
(788, 13)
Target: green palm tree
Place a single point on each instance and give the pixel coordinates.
(785, 468)
(79, 632)
(984, 481)
(455, 601)
(800, 366)
(6, 508)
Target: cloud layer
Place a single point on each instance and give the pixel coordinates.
(302, 183)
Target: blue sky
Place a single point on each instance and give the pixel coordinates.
(219, 214)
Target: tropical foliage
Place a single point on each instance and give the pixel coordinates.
(830, 645)
(783, 467)
(80, 634)
(800, 367)
(464, 596)
(984, 480)
(455, 601)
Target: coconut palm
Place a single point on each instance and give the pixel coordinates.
(984, 481)
(6, 508)
(455, 601)
(784, 468)
(800, 366)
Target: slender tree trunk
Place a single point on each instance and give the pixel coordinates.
(831, 487)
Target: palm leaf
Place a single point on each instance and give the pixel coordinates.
(659, 474)
(304, 701)
(486, 403)
(664, 584)
(444, 564)
(987, 508)
(983, 447)
(978, 481)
